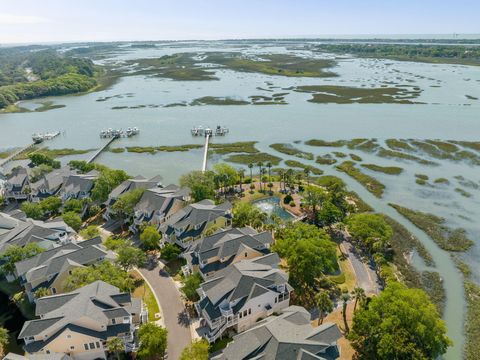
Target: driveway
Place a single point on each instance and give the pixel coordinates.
(366, 276)
(174, 313)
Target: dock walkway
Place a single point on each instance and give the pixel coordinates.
(205, 153)
(99, 151)
(15, 154)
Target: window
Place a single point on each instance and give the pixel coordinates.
(113, 321)
(249, 311)
(98, 345)
(54, 291)
(72, 347)
(69, 336)
(240, 315)
(92, 346)
(246, 254)
(85, 346)
(47, 352)
(276, 300)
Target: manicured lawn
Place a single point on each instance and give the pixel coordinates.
(143, 290)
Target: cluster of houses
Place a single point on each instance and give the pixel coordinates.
(244, 290)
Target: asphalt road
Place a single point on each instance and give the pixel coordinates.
(366, 276)
(174, 313)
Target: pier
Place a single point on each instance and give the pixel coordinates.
(205, 152)
(15, 154)
(99, 151)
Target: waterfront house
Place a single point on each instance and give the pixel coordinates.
(17, 185)
(138, 182)
(51, 356)
(17, 229)
(79, 323)
(237, 296)
(288, 336)
(157, 205)
(195, 221)
(49, 184)
(51, 268)
(215, 252)
(78, 186)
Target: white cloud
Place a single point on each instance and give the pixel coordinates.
(11, 19)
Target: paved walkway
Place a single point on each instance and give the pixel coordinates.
(366, 275)
(174, 313)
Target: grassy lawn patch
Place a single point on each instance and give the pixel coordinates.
(142, 290)
(447, 238)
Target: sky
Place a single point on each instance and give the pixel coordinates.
(31, 21)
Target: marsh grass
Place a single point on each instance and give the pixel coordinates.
(447, 238)
(370, 183)
(390, 170)
(291, 150)
(254, 158)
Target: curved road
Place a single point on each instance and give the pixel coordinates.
(174, 313)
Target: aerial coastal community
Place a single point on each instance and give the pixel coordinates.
(274, 266)
(243, 199)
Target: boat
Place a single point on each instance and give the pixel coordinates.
(37, 138)
(221, 130)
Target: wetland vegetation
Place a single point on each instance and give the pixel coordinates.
(447, 238)
(291, 150)
(370, 183)
(348, 95)
(390, 170)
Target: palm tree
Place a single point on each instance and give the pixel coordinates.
(260, 165)
(4, 340)
(241, 175)
(250, 166)
(115, 345)
(324, 305)
(262, 177)
(269, 166)
(307, 173)
(289, 175)
(345, 299)
(281, 174)
(359, 295)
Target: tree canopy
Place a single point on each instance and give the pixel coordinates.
(309, 253)
(197, 350)
(15, 254)
(190, 285)
(245, 213)
(105, 271)
(129, 257)
(126, 202)
(400, 323)
(150, 238)
(73, 220)
(201, 184)
(371, 230)
(153, 341)
(106, 182)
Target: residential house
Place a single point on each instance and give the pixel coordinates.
(17, 229)
(216, 252)
(138, 182)
(79, 323)
(17, 185)
(49, 184)
(194, 221)
(51, 268)
(288, 336)
(237, 296)
(51, 356)
(157, 205)
(78, 186)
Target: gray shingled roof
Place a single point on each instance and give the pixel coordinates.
(289, 336)
(95, 301)
(243, 280)
(52, 181)
(138, 182)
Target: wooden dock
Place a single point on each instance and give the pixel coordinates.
(99, 151)
(15, 154)
(205, 153)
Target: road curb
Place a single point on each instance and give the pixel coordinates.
(161, 320)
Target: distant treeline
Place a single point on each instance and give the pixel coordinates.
(27, 73)
(456, 53)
